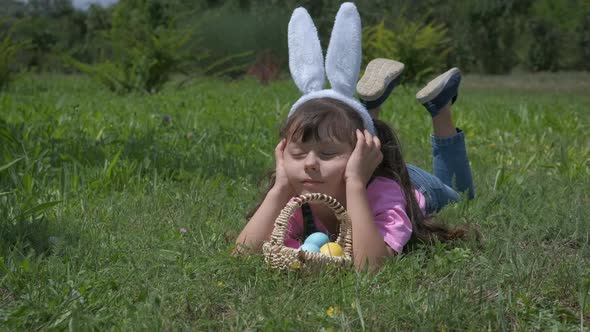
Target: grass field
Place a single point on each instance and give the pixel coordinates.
(113, 217)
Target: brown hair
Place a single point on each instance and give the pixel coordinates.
(341, 121)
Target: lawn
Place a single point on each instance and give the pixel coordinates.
(120, 212)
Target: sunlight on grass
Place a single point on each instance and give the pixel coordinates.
(120, 212)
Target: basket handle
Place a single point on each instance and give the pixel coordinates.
(345, 232)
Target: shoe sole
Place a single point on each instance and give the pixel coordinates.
(378, 74)
(434, 87)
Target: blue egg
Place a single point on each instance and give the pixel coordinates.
(318, 239)
(309, 247)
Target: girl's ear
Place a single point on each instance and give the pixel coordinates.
(306, 61)
(343, 60)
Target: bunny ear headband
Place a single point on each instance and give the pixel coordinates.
(343, 59)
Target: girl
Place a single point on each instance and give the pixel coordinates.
(330, 144)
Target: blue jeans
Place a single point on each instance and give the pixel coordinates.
(452, 174)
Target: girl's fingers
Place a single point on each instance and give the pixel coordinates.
(369, 139)
(280, 149)
(377, 142)
(366, 139)
(359, 138)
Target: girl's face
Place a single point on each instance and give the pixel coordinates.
(318, 166)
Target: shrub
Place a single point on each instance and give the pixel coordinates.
(493, 37)
(147, 48)
(248, 38)
(563, 28)
(582, 40)
(8, 51)
(543, 53)
(421, 47)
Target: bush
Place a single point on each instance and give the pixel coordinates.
(421, 47)
(543, 53)
(243, 37)
(8, 51)
(582, 40)
(493, 35)
(569, 22)
(147, 48)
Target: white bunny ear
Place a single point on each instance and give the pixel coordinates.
(306, 61)
(343, 60)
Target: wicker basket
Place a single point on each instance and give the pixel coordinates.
(279, 256)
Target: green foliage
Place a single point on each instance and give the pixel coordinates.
(496, 36)
(9, 49)
(116, 78)
(560, 31)
(491, 36)
(95, 48)
(493, 32)
(582, 42)
(23, 200)
(241, 34)
(147, 48)
(52, 28)
(378, 41)
(421, 47)
(542, 53)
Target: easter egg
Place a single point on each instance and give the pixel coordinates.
(317, 238)
(309, 247)
(332, 249)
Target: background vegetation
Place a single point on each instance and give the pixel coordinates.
(137, 45)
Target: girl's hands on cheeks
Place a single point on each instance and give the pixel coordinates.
(364, 159)
(281, 181)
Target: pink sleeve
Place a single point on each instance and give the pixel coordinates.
(389, 209)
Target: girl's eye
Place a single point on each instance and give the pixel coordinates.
(298, 154)
(329, 154)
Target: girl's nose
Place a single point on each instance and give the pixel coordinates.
(311, 162)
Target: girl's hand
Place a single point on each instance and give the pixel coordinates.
(281, 181)
(364, 159)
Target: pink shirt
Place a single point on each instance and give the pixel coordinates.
(389, 210)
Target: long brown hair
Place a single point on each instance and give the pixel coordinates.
(341, 121)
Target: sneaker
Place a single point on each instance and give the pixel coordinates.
(381, 76)
(440, 91)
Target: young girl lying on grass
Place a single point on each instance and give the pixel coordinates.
(330, 144)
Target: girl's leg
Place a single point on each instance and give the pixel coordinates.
(450, 161)
(436, 193)
(449, 155)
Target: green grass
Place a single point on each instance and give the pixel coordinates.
(109, 253)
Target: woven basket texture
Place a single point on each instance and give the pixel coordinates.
(281, 257)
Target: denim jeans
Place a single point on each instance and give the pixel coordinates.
(452, 174)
